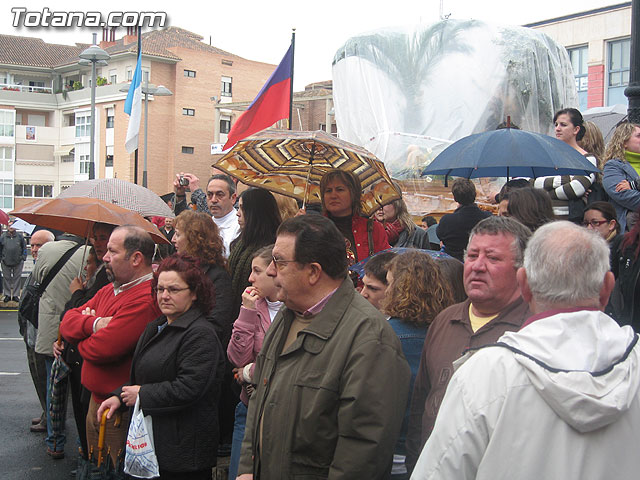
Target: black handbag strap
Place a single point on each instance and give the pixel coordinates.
(52, 273)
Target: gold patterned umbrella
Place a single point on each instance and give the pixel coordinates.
(292, 163)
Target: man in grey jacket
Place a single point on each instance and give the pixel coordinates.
(29, 332)
(14, 253)
(51, 306)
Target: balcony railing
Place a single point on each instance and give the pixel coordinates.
(25, 88)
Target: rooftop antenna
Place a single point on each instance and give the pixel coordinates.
(442, 15)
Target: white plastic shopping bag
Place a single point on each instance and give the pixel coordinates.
(140, 456)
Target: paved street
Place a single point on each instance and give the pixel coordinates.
(22, 453)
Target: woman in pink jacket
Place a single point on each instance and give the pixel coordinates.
(259, 308)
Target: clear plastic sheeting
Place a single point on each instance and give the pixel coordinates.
(405, 94)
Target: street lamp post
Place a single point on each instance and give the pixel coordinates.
(94, 55)
(148, 89)
(633, 90)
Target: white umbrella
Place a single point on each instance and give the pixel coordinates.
(606, 118)
(124, 194)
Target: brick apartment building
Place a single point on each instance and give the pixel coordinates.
(45, 110)
(598, 42)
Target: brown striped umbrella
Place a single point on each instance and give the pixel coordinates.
(292, 163)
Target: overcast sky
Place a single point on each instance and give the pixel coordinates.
(261, 30)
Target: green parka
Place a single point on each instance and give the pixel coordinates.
(332, 403)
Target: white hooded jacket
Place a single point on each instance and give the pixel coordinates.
(557, 400)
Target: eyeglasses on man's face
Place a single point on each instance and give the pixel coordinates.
(280, 263)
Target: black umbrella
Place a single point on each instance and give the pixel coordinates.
(509, 153)
(98, 464)
(58, 385)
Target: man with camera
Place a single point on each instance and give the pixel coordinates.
(218, 200)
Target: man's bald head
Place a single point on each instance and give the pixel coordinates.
(38, 239)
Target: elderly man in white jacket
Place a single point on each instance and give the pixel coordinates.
(557, 399)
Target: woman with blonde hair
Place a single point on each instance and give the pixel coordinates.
(593, 142)
(287, 206)
(417, 292)
(621, 173)
(400, 228)
(197, 236)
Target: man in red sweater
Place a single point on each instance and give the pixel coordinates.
(106, 328)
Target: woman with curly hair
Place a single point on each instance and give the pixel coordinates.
(621, 173)
(417, 292)
(197, 236)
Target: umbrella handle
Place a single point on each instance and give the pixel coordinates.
(103, 423)
(306, 186)
(86, 243)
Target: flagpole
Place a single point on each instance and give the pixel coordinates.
(293, 52)
(135, 158)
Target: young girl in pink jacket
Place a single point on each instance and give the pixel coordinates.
(259, 308)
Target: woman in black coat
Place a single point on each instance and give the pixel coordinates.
(176, 372)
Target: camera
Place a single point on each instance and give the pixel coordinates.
(184, 182)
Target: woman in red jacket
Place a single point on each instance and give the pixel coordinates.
(340, 192)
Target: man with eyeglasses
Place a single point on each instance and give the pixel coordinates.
(331, 379)
(106, 328)
(219, 200)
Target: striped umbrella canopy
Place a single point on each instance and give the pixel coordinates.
(122, 193)
(293, 162)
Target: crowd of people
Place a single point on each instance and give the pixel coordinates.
(477, 350)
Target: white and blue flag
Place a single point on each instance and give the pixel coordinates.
(133, 107)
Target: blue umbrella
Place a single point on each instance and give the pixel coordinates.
(509, 153)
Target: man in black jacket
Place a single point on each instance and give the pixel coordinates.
(453, 229)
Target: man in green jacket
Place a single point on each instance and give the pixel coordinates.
(331, 379)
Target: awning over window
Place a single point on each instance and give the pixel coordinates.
(64, 150)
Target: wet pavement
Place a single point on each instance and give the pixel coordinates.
(23, 453)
